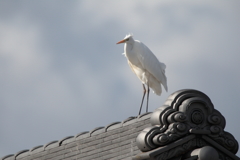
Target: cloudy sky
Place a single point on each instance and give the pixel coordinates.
(62, 72)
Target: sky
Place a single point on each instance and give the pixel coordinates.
(62, 72)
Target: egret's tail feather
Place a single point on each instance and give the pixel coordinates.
(157, 90)
(165, 87)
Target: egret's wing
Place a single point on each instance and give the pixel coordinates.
(150, 62)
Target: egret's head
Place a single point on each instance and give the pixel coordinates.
(127, 39)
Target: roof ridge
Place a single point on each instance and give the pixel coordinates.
(81, 135)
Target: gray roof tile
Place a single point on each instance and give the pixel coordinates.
(66, 140)
(114, 141)
(37, 149)
(21, 154)
(128, 119)
(50, 145)
(97, 130)
(8, 157)
(82, 135)
(112, 126)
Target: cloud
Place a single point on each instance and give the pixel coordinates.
(62, 72)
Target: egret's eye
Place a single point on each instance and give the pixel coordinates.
(127, 39)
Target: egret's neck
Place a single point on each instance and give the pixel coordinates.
(128, 47)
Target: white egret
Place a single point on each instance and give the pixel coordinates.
(146, 66)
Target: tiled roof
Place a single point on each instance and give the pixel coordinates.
(112, 142)
(186, 126)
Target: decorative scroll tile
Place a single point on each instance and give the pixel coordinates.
(186, 112)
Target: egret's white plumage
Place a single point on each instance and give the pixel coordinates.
(145, 65)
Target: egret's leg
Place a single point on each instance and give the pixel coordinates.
(144, 92)
(147, 97)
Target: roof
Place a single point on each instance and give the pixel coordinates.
(186, 126)
(114, 141)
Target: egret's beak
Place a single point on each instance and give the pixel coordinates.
(122, 41)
